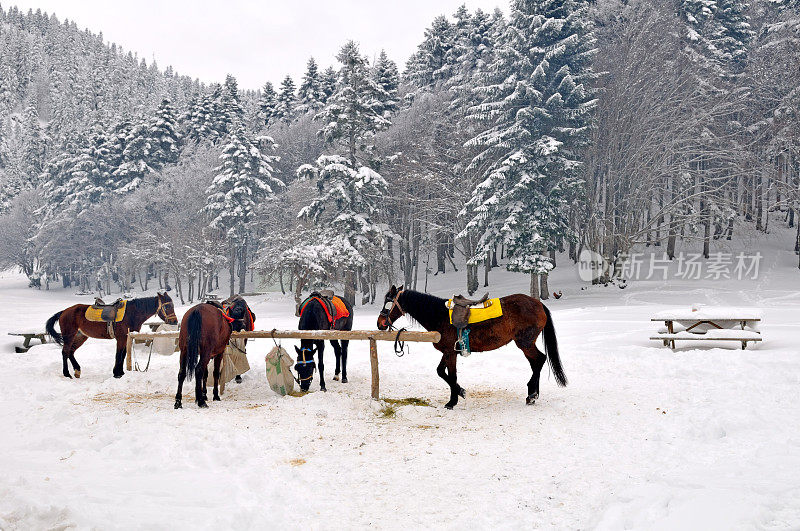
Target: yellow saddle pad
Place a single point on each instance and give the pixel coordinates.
(491, 309)
(96, 314)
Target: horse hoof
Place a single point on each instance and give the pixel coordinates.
(217, 399)
(335, 377)
(325, 389)
(178, 404)
(531, 400)
(68, 375)
(238, 379)
(344, 379)
(202, 404)
(77, 374)
(448, 406)
(118, 375)
(462, 393)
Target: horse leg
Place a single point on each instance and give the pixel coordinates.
(79, 340)
(337, 351)
(345, 343)
(450, 376)
(122, 340)
(321, 365)
(199, 372)
(181, 377)
(527, 344)
(217, 367)
(65, 353)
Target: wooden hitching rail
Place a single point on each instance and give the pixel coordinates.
(373, 336)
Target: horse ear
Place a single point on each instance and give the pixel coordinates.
(297, 349)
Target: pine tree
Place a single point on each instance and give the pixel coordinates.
(345, 212)
(428, 66)
(386, 76)
(268, 104)
(310, 94)
(230, 104)
(244, 179)
(164, 136)
(329, 79)
(136, 159)
(34, 145)
(718, 34)
(287, 101)
(539, 114)
(355, 111)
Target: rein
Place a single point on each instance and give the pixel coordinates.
(305, 362)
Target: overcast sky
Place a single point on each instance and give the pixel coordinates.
(256, 41)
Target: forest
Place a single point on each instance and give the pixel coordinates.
(506, 140)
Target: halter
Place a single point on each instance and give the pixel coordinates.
(395, 302)
(161, 307)
(304, 361)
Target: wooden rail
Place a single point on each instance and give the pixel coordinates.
(373, 336)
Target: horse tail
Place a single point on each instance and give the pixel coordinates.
(551, 349)
(51, 328)
(193, 325)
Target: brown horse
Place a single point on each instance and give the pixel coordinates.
(205, 331)
(76, 329)
(523, 319)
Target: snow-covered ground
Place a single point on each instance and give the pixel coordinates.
(706, 437)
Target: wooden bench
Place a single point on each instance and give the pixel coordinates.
(717, 324)
(29, 336)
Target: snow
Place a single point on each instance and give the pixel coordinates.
(643, 437)
(713, 313)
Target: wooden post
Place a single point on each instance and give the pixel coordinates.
(373, 361)
(129, 352)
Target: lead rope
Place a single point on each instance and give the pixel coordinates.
(399, 346)
(136, 361)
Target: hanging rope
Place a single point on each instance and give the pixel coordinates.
(399, 346)
(136, 361)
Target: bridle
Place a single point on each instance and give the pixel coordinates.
(387, 312)
(305, 361)
(162, 310)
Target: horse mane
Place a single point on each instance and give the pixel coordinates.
(145, 304)
(424, 308)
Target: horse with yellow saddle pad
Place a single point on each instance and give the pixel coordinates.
(106, 321)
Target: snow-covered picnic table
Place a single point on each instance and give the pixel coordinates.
(29, 336)
(709, 324)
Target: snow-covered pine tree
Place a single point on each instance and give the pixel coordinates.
(539, 114)
(386, 76)
(136, 160)
(34, 146)
(310, 94)
(345, 211)
(718, 34)
(164, 136)
(428, 66)
(268, 104)
(287, 101)
(230, 104)
(329, 79)
(244, 179)
(355, 111)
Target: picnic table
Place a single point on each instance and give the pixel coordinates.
(709, 324)
(29, 336)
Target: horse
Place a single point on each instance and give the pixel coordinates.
(76, 329)
(205, 332)
(315, 317)
(523, 319)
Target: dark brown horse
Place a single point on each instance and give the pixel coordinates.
(205, 332)
(523, 319)
(76, 329)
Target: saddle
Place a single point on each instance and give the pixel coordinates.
(100, 312)
(461, 309)
(334, 307)
(107, 313)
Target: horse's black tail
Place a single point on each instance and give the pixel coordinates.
(51, 328)
(193, 325)
(551, 349)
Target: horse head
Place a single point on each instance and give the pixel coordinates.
(392, 311)
(238, 309)
(166, 309)
(305, 365)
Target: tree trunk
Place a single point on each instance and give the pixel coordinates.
(243, 267)
(545, 294)
(487, 266)
(534, 285)
(232, 270)
(350, 287)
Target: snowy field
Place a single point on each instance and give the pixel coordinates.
(643, 437)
